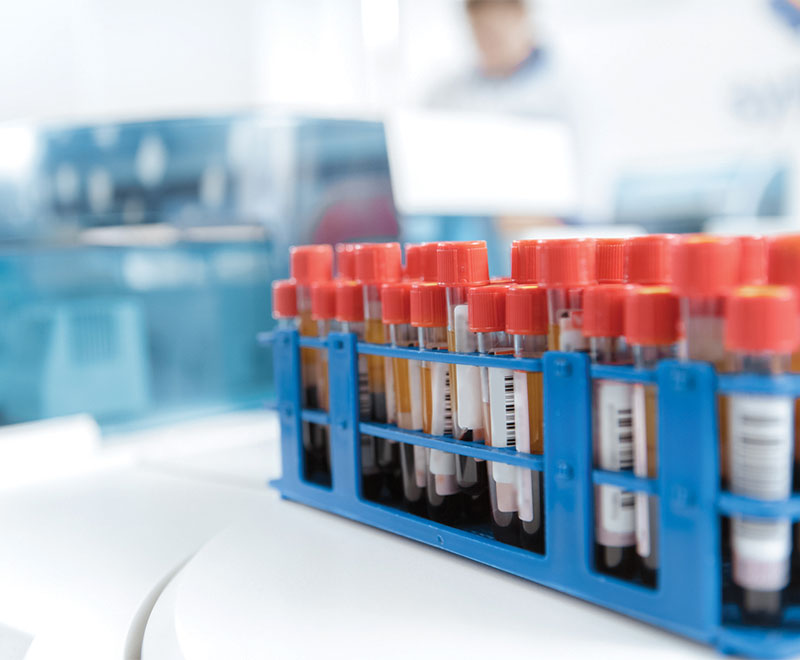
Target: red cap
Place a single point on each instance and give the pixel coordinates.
(784, 260)
(705, 266)
(652, 316)
(526, 310)
(395, 299)
(462, 263)
(487, 308)
(284, 299)
(752, 260)
(377, 263)
(349, 301)
(567, 262)
(648, 260)
(323, 300)
(610, 260)
(525, 261)
(311, 263)
(428, 305)
(604, 310)
(421, 262)
(346, 261)
(761, 319)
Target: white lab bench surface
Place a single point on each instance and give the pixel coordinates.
(171, 546)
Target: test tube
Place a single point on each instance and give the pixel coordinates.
(652, 330)
(648, 259)
(376, 264)
(610, 260)
(407, 388)
(612, 423)
(323, 312)
(487, 319)
(461, 265)
(284, 303)
(704, 270)
(350, 314)
(566, 267)
(761, 331)
(429, 316)
(526, 322)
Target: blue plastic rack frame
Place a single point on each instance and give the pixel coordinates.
(688, 599)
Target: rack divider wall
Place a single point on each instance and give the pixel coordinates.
(688, 598)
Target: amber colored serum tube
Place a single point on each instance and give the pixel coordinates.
(323, 312)
(652, 330)
(761, 331)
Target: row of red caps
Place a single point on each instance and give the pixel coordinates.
(631, 286)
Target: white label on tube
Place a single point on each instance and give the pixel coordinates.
(617, 507)
(761, 551)
(415, 391)
(570, 331)
(420, 461)
(364, 405)
(501, 413)
(468, 382)
(640, 469)
(388, 379)
(524, 481)
(761, 431)
(441, 462)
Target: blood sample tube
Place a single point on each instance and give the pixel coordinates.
(752, 260)
(526, 322)
(566, 267)
(648, 259)
(376, 264)
(429, 316)
(704, 270)
(761, 331)
(323, 311)
(350, 314)
(525, 261)
(346, 261)
(610, 260)
(461, 265)
(407, 387)
(487, 319)
(284, 303)
(612, 412)
(652, 330)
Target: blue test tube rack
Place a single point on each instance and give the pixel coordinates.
(688, 599)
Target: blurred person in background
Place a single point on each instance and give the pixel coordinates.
(515, 73)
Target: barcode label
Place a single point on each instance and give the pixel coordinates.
(415, 390)
(364, 407)
(441, 404)
(468, 405)
(617, 516)
(761, 431)
(761, 551)
(640, 469)
(614, 421)
(503, 428)
(570, 331)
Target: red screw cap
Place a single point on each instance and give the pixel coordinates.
(323, 300)
(284, 299)
(784, 260)
(752, 260)
(346, 261)
(705, 266)
(377, 263)
(349, 301)
(428, 305)
(604, 310)
(396, 302)
(525, 261)
(487, 308)
(610, 260)
(761, 319)
(462, 263)
(421, 262)
(648, 259)
(567, 262)
(526, 310)
(311, 263)
(652, 316)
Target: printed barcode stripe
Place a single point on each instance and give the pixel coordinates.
(363, 389)
(625, 439)
(448, 409)
(511, 425)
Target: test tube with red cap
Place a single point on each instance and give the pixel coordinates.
(376, 264)
(346, 261)
(429, 316)
(525, 261)
(487, 319)
(461, 265)
(323, 312)
(350, 315)
(284, 303)
(526, 323)
(407, 388)
(612, 412)
(566, 268)
(762, 333)
(610, 260)
(648, 259)
(652, 330)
